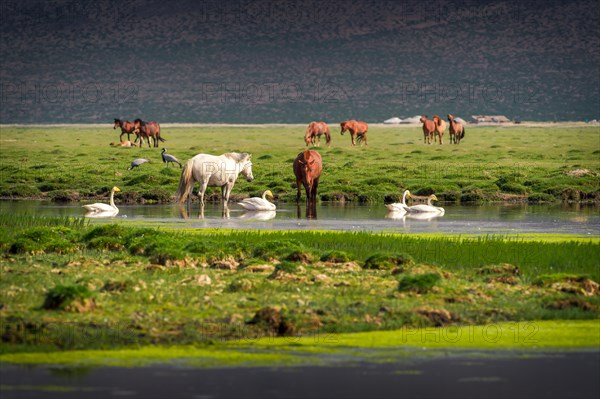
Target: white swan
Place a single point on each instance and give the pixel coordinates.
(258, 204)
(100, 207)
(399, 207)
(423, 208)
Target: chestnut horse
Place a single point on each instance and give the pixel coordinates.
(316, 129)
(358, 130)
(126, 128)
(307, 168)
(428, 129)
(440, 128)
(457, 130)
(147, 130)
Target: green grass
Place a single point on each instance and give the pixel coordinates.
(492, 164)
(325, 348)
(137, 286)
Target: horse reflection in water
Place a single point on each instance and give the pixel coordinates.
(215, 171)
(311, 210)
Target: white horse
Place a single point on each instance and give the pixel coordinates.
(215, 171)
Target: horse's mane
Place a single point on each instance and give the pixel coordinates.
(237, 156)
(140, 121)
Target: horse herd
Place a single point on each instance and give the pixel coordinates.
(141, 130)
(222, 171)
(437, 126)
(358, 132)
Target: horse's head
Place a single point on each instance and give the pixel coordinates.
(247, 169)
(450, 117)
(344, 126)
(423, 119)
(117, 123)
(310, 165)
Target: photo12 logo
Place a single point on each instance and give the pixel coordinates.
(468, 92)
(270, 92)
(31, 93)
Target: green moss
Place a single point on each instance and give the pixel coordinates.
(420, 283)
(61, 296)
(335, 257)
(387, 261)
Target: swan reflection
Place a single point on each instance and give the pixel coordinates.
(105, 214)
(258, 215)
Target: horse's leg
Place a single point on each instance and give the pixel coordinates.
(202, 190)
(365, 138)
(298, 195)
(353, 137)
(308, 191)
(226, 191)
(314, 190)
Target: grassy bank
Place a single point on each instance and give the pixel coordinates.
(69, 285)
(514, 163)
(327, 349)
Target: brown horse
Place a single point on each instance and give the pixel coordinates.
(358, 130)
(457, 130)
(428, 129)
(147, 130)
(440, 128)
(307, 168)
(126, 128)
(316, 129)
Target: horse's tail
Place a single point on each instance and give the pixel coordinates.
(463, 133)
(186, 181)
(160, 138)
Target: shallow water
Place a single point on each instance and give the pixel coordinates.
(484, 219)
(455, 375)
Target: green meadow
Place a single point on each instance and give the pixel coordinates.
(138, 294)
(537, 163)
(68, 284)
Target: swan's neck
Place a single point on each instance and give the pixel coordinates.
(404, 197)
(112, 199)
(429, 201)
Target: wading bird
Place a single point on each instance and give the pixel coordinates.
(137, 162)
(100, 207)
(169, 158)
(257, 203)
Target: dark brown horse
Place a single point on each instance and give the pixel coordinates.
(440, 128)
(316, 129)
(428, 129)
(457, 130)
(126, 128)
(147, 130)
(307, 168)
(358, 130)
